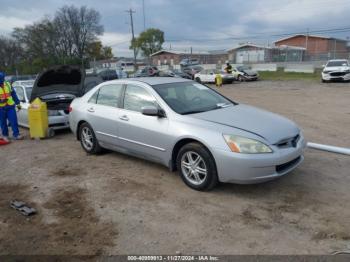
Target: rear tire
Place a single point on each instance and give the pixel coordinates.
(197, 167)
(88, 139)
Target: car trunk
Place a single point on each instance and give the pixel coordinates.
(58, 86)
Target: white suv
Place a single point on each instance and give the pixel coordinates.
(337, 69)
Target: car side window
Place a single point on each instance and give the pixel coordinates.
(93, 98)
(109, 95)
(137, 97)
(20, 93)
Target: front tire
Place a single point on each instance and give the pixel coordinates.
(197, 167)
(88, 139)
(241, 78)
(198, 80)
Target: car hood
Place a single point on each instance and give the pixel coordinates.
(272, 127)
(336, 68)
(59, 80)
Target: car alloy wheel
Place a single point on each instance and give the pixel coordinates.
(194, 168)
(87, 138)
(197, 167)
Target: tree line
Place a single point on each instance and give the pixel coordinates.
(69, 37)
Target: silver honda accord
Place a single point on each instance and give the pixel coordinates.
(187, 127)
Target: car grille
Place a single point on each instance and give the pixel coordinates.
(284, 167)
(338, 73)
(289, 142)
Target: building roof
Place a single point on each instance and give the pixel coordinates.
(304, 35)
(176, 52)
(248, 45)
(290, 47)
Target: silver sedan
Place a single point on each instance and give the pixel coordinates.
(187, 127)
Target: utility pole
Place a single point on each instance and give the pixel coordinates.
(307, 40)
(144, 17)
(130, 11)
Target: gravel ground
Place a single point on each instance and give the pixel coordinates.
(116, 204)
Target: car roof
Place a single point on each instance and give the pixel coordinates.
(158, 80)
(26, 83)
(337, 60)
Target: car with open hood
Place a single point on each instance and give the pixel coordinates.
(188, 127)
(57, 119)
(59, 85)
(336, 70)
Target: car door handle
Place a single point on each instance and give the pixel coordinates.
(124, 118)
(91, 109)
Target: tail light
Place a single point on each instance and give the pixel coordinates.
(70, 109)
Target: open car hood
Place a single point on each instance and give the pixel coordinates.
(58, 86)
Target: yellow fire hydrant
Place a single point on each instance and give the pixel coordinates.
(38, 119)
(218, 80)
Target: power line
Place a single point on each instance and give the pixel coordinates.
(144, 17)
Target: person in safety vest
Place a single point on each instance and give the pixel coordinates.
(8, 103)
(228, 68)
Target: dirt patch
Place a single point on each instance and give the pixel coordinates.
(325, 235)
(76, 231)
(64, 172)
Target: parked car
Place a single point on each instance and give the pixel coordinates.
(336, 70)
(108, 74)
(188, 127)
(59, 85)
(58, 119)
(189, 62)
(192, 70)
(14, 78)
(209, 76)
(174, 73)
(147, 71)
(245, 73)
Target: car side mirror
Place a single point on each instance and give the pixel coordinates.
(152, 111)
(323, 66)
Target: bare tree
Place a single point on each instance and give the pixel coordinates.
(81, 26)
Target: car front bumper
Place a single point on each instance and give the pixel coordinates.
(251, 78)
(328, 77)
(257, 168)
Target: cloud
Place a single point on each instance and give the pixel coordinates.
(8, 23)
(118, 41)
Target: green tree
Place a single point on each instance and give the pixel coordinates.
(149, 41)
(96, 50)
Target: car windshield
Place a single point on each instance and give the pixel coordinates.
(241, 68)
(190, 97)
(337, 63)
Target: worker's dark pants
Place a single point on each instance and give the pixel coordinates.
(9, 113)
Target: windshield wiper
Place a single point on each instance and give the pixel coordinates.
(193, 112)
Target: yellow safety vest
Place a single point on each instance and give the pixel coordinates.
(5, 93)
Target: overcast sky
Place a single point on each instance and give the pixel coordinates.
(202, 24)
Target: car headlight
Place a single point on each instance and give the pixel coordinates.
(245, 145)
(326, 72)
